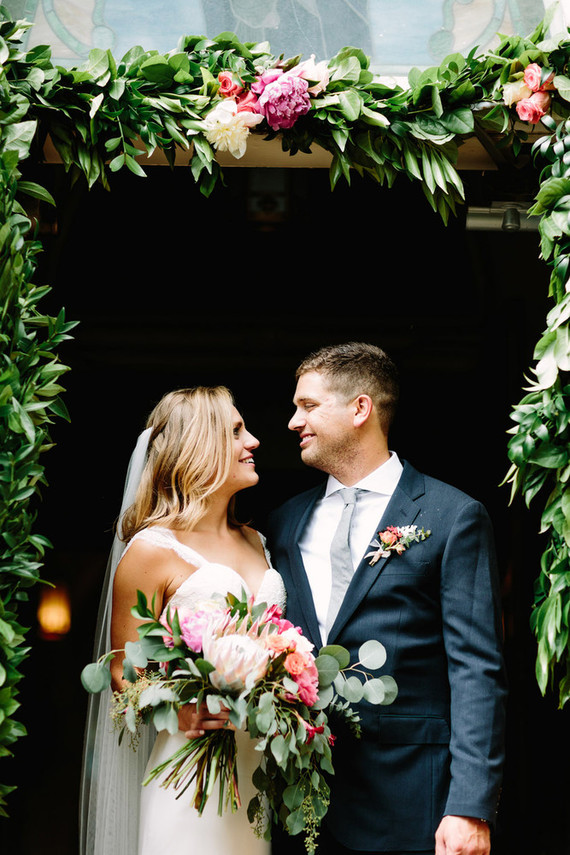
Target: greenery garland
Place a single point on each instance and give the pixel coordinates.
(208, 95)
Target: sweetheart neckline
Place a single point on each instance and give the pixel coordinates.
(248, 590)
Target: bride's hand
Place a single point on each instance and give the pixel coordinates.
(195, 721)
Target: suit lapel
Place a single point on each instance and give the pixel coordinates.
(300, 579)
(402, 509)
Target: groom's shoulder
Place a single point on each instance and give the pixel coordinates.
(297, 503)
(434, 488)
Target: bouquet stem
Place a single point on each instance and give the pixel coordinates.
(205, 760)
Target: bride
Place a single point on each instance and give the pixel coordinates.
(178, 539)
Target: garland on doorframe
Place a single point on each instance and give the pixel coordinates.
(208, 96)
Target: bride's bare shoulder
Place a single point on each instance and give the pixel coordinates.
(144, 559)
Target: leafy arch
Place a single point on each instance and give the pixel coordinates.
(105, 115)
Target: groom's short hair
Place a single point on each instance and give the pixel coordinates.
(357, 368)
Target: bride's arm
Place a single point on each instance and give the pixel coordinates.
(143, 568)
(154, 571)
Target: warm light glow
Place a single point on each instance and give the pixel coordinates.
(54, 612)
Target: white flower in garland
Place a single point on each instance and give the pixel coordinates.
(227, 127)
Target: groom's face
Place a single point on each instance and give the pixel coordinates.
(324, 422)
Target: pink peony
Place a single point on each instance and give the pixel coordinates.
(192, 628)
(265, 79)
(534, 108)
(533, 76)
(283, 98)
(193, 624)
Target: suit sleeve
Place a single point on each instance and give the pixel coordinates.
(472, 630)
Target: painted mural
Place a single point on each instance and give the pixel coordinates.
(396, 34)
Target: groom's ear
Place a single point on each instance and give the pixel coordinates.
(363, 408)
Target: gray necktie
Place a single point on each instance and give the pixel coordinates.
(341, 559)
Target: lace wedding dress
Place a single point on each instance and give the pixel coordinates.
(169, 825)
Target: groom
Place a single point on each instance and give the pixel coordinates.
(425, 775)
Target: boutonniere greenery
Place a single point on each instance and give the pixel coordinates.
(395, 539)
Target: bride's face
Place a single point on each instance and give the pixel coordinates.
(242, 473)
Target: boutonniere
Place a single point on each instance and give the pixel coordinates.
(396, 539)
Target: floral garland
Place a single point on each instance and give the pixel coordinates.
(531, 93)
(278, 96)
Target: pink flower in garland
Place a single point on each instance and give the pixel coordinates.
(247, 103)
(283, 98)
(530, 93)
(533, 78)
(534, 108)
(229, 86)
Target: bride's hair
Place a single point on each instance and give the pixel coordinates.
(189, 458)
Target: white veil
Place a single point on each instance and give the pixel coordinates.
(112, 773)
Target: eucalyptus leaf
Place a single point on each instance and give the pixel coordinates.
(166, 718)
(390, 689)
(296, 822)
(156, 696)
(352, 690)
(372, 654)
(95, 677)
(135, 652)
(326, 695)
(215, 704)
(328, 668)
(279, 750)
(129, 672)
(340, 653)
(294, 795)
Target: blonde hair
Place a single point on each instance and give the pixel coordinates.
(189, 458)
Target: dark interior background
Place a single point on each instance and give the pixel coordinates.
(172, 290)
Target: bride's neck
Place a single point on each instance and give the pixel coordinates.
(215, 520)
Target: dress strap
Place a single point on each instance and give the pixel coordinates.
(265, 549)
(166, 539)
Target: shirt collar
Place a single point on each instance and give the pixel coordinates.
(382, 480)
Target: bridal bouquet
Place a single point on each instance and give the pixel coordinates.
(247, 659)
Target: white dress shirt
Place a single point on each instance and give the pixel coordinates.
(316, 539)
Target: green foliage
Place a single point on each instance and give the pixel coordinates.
(540, 444)
(29, 389)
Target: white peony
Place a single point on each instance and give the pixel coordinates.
(227, 129)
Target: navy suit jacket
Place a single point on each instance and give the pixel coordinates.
(438, 749)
